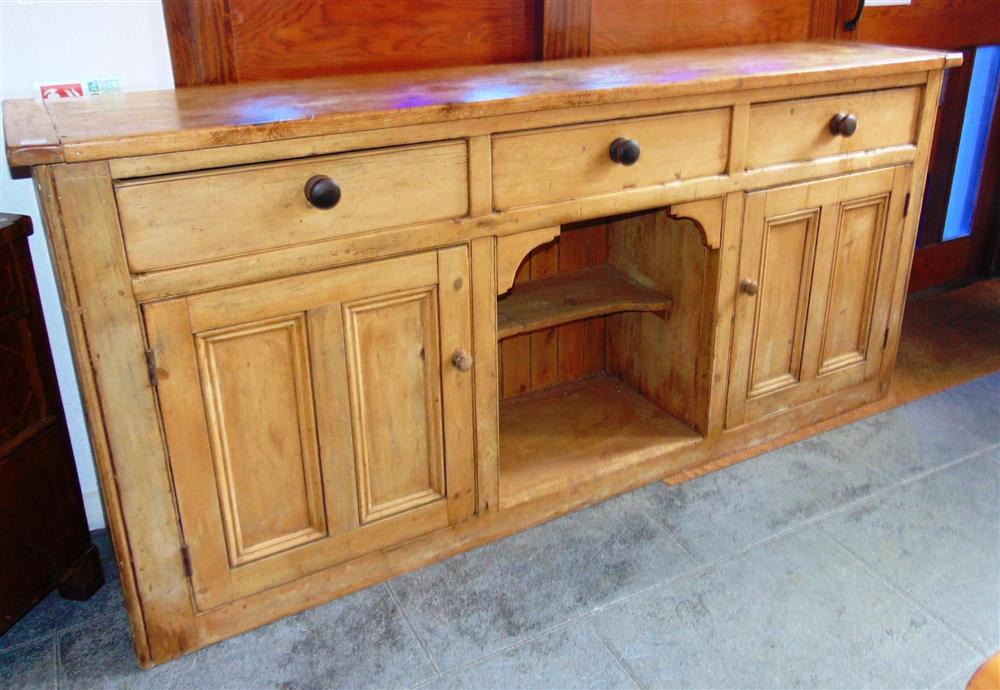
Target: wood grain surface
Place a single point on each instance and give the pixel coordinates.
(166, 121)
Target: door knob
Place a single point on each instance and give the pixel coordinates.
(322, 192)
(624, 151)
(749, 286)
(461, 360)
(844, 124)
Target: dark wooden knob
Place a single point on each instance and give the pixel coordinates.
(322, 192)
(844, 124)
(461, 360)
(624, 151)
(749, 287)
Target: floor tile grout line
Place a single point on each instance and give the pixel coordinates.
(699, 567)
(963, 675)
(519, 642)
(902, 593)
(819, 517)
(58, 631)
(589, 622)
(56, 663)
(666, 530)
(413, 629)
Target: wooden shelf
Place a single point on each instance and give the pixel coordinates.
(573, 296)
(554, 440)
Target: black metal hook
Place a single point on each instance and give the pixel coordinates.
(852, 23)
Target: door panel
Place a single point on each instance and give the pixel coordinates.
(258, 399)
(784, 275)
(857, 243)
(305, 417)
(392, 354)
(822, 256)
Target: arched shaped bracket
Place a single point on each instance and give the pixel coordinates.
(706, 214)
(511, 250)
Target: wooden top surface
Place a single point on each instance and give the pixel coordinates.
(149, 122)
(14, 226)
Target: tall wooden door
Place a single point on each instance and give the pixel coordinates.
(816, 269)
(313, 419)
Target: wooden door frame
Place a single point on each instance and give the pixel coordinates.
(938, 263)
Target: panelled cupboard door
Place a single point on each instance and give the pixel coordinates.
(312, 419)
(816, 267)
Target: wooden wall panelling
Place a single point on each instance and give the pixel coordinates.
(565, 29)
(823, 19)
(201, 42)
(581, 344)
(228, 41)
(221, 41)
(544, 344)
(639, 26)
(548, 357)
(944, 24)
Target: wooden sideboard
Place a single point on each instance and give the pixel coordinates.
(295, 306)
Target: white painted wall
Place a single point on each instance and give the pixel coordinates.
(43, 40)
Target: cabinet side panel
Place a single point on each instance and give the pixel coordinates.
(656, 355)
(925, 136)
(108, 347)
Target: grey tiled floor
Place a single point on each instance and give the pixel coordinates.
(865, 557)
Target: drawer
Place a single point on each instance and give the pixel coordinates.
(192, 218)
(799, 130)
(573, 162)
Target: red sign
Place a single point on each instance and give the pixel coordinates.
(54, 91)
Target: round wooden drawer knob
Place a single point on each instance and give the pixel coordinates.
(461, 360)
(322, 192)
(624, 151)
(749, 287)
(844, 124)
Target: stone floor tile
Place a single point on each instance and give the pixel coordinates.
(568, 658)
(725, 511)
(926, 433)
(29, 666)
(480, 601)
(938, 540)
(795, 612)
(54, 614)
(359, 641)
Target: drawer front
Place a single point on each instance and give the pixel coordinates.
(190, 219)
(790, 131)
(573, 162)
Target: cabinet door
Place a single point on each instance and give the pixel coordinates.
(816, 267)
(313, 419)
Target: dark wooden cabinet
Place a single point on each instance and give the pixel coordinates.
(44, 540)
